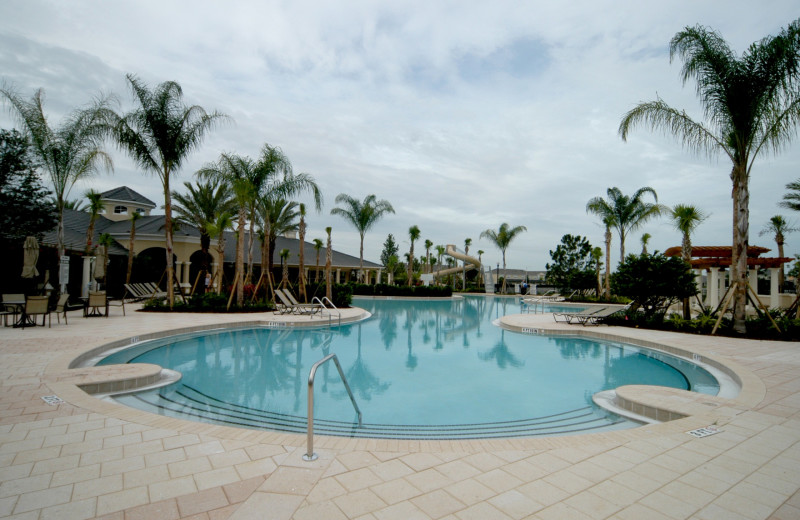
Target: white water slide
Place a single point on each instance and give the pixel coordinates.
(469, 264)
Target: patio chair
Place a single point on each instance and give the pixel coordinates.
(96, 304)
(63, 306)
(36, 306)
(297, 308)
(12, 306)
(599, 316)
(296, 303)
(577, 315)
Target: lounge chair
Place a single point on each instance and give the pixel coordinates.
(599, 316)
(96, 304)
(63, 306)
(12, 305)
(36, 306)
(297, 308)
(577, 315)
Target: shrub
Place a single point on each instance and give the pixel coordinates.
(653, 282)
(382, 289)
(208, 302)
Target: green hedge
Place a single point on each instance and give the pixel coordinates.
(208, 302)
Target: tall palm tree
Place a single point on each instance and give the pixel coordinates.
(278, 216)
(284, 254)
(791, 200)
(428, 246)
(779, 228)
(216, 229)
(69, 153)
(502, 238)
(467, 243)
(362, 215)
(200, 206)
(74, 205)
(751, 103)
(413, 235)
(159, 134)
(597, 254)
(480, 261)
(686, 218)
(94, 206)
(318, 244)
(328, 261)
(131, 242)
(625, 213)
(301, 228)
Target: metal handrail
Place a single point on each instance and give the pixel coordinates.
(330, 314)
(310, 455)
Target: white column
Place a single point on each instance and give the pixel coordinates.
(712, 295)
(338, 275)
(774, 290)
(86, 279)
(698, 280)
(378, 279)
(752, 278)
(186, 272)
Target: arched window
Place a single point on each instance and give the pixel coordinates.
(120, 209)
(140, 211)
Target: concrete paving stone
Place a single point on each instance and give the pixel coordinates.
(786, 512)
(180, 441)
(7, 505)
(99, 456)
(515, 504)
(561, 511)
(318, 511)
(239, 491)
(498, 480)
(119, 466)
(172, 488)
(668, 505)
(359, 503)
(227, 458)
(188, 467)
(639, 512)
(122, 440)
(143, 477)
(616, 493)
(255, 468)
(161, 510)
(204, 448)
(142, 448)
(19, 486)
(122, 500)
(567, 480)
(43, 498)
(715, 512)
(55, 464)
(742, 505)
(267, 505)
(543, 492)
(394, 491)
(325, 489)
(97, 487)
(164, 457)
(481, 511)
(428, 480)
(202, 501)
(400, 511)
(39, 454)
(358, 479)
(79, 510)
(294, 481)
(690, 494)
(104, 432)
(592, 505)
(391, 469)
(470, 491)
(420, 461)
(17, 471)
(439, 503)
(216, 477)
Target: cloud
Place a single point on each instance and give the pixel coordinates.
(462, 115)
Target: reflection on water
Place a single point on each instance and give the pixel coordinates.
(430, 362)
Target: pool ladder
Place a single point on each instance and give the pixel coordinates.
(310, 455)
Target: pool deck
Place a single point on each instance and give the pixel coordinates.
(89, 458)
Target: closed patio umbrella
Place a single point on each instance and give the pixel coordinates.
(30, 254)
(100, 263)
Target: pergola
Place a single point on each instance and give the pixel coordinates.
(717, 259)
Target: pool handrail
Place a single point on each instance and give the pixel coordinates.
(334, 307)
(310, 455)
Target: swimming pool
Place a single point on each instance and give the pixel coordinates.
(418, 369)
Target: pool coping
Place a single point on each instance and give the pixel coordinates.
(56, 376)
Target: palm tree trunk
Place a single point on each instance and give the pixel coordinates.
(686, 253)
(248, 279)
(168, 236)
(301, 276)
(781, 278)
(328, 261)
(361, 259)
(410, 263)
(741, 215)
(503, 288)
(608, 264)
(239, 275)
(621, 246)
(130, 252)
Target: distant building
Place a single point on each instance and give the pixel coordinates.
(149, 246)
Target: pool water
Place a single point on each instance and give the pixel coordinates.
(421, 369)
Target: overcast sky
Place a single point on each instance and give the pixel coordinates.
(462, 114)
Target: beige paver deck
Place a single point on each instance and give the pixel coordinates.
(87, 458)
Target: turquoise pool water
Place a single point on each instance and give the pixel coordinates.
(421, 369)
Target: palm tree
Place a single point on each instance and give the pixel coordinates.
(74, 205)
(159, 134)
(216, 230)
(413, 235)
(200, 206)
(131, 242)
(791, 200)
(318, 244)
(69, 153)
(328, 261)
(95, 206)
(645, 239)
(467, 243)
(686, 218)
(428, 246)
(278, 216)
(301, 276)
(502, 238)
(284, 254)
(480, 261)
(625, 213)
(362, 215)
(778, 227)
(751, 103)
(597, 254)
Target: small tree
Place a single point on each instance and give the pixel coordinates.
(318, 244)
(654, 282)
(390, 248)
(573, 266)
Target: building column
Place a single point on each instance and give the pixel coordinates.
(86, 279)
(185, 277)
(712, 287)
(774, 289)
(338, 275)
(378, 278)
(698, 280)
(752, 278)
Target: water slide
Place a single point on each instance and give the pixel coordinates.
(470, 263)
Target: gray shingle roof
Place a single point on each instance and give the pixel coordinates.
(125, 194)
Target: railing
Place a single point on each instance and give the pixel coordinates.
(310, 455)
(330, 314)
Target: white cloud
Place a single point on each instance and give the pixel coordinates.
(462, 115)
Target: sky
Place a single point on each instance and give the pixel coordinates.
(462, 114)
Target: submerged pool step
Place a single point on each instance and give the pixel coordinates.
(191, 404)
